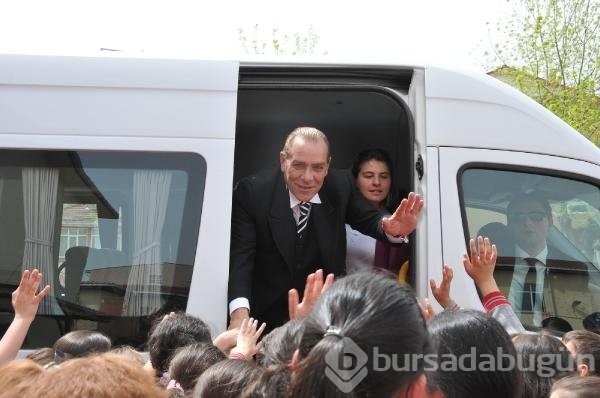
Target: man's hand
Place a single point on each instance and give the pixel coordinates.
(26, 299)
(315, 286)
(405, 218)
(237, 316)
(480, 265)
(442, 292)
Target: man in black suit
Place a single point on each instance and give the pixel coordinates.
(288, 223)
(537, 265)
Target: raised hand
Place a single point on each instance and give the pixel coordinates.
(26, 299)
(481, 263)
(405, 218)
(247, 338)
(426, 309)
(314, 287)
(442, 292)
(25, 302)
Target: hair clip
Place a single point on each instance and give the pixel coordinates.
(60, 356)
(174, 385)
(333, 331)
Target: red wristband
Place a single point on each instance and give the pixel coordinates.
(493, 300)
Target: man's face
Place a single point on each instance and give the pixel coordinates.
(529, 225)
(305, 168)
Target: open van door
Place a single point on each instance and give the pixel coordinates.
(104, 187)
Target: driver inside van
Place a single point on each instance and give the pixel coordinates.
(538, 264)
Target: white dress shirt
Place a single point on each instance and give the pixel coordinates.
(517, 285)
(360, 251)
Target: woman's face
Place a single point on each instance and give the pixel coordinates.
(374, 181)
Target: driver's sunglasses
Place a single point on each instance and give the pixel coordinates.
(534, 216)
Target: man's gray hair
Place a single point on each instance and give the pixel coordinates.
(309, 134)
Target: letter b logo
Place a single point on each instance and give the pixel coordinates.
(346, 365)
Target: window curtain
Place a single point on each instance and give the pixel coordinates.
(40, 190)
(150, 196)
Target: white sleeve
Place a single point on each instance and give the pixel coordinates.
(240, 302)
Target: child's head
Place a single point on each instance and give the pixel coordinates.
(172, 332)
(79, 343)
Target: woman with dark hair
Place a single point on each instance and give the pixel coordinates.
(488, 365)
(373, 172)
(373, 319)
(80, 343)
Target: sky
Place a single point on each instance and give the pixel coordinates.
(449, 32)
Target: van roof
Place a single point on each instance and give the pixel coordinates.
(476, 110)
(462, 108)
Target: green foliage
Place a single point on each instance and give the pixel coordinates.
(553, 49)
(280, 43)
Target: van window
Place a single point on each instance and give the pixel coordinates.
(548, 260)
(114, 234)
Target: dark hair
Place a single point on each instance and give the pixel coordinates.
(592, 322)
(278, 346)
(480, 337)
(80, 343)
(191, 361)
(538, 377)
(130, 352)
(533, 196)
(556, 325)
(381, 155)
(172, 332)
(42, 356)
(499, 235)
(227, 378)
(274, 381)
(359, 315)
(587, 346)
(579, 386)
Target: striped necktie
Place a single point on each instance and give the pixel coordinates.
(304, 208)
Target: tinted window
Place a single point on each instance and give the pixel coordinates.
(114, 233)
(547, 230)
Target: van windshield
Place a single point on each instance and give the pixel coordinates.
(114, 234)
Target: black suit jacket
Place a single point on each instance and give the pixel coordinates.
(263, 234)
(559, 266)
(556, 262)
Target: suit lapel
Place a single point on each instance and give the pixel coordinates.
(281, 221)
